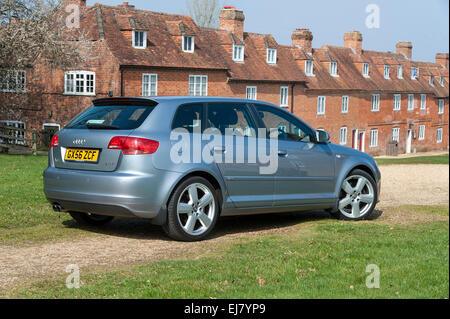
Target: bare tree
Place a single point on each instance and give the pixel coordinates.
(31, 31)
(205, 12)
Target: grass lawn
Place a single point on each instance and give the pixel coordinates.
(324, 258)
(328, 262)
(436, 159)
(25, 214)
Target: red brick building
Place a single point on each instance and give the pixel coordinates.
(364, 99)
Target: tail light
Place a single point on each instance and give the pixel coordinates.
(133, 145)
(54, 141)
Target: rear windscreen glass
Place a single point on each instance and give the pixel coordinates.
(119, 117)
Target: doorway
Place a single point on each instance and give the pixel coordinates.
(408, 141)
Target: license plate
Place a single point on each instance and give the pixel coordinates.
(81, 155)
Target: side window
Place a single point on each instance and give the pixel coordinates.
(289, 128)
(224, 116)
(188, 116)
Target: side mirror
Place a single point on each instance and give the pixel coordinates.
(322, 137)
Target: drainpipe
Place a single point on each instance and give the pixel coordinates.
(121, 81)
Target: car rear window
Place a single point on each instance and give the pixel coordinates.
(118, 117)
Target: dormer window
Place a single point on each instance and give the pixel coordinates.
(272, 56)
(309, 68)
(431, 80)
(414, 73)
(139, 39)
(365, 70)
(333, 69)
(188, 44)
(387, 70)
(441, 81)
(400, 71)
(238, 53)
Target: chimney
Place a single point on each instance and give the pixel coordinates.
(302, 38)
(80, 3)
(232, 19)
(442, 59)
(353, 39)
(405, 48)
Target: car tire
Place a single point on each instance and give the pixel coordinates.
(90, 219)
(358, 196)
(192, 210)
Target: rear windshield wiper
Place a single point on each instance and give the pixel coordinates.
(97, 126)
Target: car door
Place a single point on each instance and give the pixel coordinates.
(236, 158)
(305, 172)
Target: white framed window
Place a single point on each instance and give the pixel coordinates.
(18, 134)
(284, 96)
(375, 102)
(423, 101)
(410, 102)
(373, 138)
(333, 68)
(321, 105)
(441, 81)
(343, 136)
(188, 44)
(309, 68)
(251, 93)
(149, 84)
(397, 102)
(344, 104)
(139, 39)
(13, 81)
(198, 85)
(387, 71)
(400, 71)
(421, 132)
(365, 70)
(238, 53)
(272, 56)
(79, 83)
(395, 134)
(439, 135)
(431, 80)
(441, 106)
(414, 73)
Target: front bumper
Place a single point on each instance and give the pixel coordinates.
(109, 193)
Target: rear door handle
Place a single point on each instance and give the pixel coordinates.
(218, 149)
(282, 153)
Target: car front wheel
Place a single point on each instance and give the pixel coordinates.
(357, 197)
(193, 210)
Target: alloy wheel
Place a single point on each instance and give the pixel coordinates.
(356, 196)
(196, 209)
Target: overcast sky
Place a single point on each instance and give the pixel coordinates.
(423, 22)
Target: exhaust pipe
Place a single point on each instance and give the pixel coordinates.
(57, 208)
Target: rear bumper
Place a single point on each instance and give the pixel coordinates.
(110, 193)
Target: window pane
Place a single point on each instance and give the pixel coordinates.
(188, 117)
(224, 116)
(288, 127)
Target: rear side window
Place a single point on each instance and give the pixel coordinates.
(224, 116)
(120, 117)
(188, 116)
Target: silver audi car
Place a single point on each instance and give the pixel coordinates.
(184, 161)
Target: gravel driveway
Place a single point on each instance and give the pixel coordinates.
(401, 184)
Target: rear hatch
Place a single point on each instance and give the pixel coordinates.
(83, 143)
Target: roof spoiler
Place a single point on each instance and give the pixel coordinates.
(132, 101)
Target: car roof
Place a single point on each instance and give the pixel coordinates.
(179, 99)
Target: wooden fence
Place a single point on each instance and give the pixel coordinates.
(10, 141)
